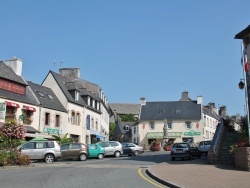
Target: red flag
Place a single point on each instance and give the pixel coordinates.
(246, 66)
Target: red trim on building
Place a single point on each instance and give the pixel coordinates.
(12, 104)
(29, 108)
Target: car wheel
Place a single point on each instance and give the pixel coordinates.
(82, 157)
(117, 154)
(173, 159)
(136, 153)
(100, 156)
(49, 158)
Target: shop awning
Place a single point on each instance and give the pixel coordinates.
(12, 104)
(29, 108)
(160, 135)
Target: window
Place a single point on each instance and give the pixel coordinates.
(77, 118)
(65, 147)
(47, 118)
(75, 146)
(188, 125)
(152, 125)
(72, 117)
(76, 95)
(134, 130)
(96, 125)
(150, 141)
(29, 145)
(40, 93)
(50, 97)
(169, 125)
(57, 120)
(40, 145)
(126, 128)
(50, 144)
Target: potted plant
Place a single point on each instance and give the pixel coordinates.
(155, 146)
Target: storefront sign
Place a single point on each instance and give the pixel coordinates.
(2, 110)
(52, 131)
(192, 133)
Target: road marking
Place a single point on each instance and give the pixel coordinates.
(148, 180)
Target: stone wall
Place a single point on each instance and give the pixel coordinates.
(242, 158)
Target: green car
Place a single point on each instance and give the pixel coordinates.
(96, 151)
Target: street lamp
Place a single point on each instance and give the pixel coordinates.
(165, 131)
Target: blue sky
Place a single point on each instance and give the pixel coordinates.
(133, 49)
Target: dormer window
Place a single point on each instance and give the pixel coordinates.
(76, 95)
(89, 101)
(126, 128)
(40, 93)
(50, 97)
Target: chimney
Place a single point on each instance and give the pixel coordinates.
(16, 64)
(143, 101)
(223, 111)
(184, 96)
(199, 99)
(70, 73)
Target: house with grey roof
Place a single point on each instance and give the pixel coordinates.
(15, 95)
(123, 130)
(85, 103)
(183, 119)
(53, 115)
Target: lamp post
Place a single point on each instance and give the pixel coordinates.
(245, 84)
(165, 131)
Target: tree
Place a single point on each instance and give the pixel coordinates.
(111, 130)
(63, 139)
(127, 118)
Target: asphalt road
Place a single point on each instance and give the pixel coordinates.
(123, 172)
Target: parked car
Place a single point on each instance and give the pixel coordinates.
(46, 150)
(204, 146)
(74, 151)
(96, 150)
(185, 150)
(132, 149)
(112, 148)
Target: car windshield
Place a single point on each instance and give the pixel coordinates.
(181, 145)
(104, 144)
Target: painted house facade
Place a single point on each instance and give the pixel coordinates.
(16, 98)
(52, 114)
(86, 105)
(185, 120)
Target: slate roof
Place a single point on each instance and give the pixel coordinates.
(174, 110)
(210, 113)
(120, 108)
(243, 33)
(61, 81)
(45, 101)
(8, 73)
(120, 128)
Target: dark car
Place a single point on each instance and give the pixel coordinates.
(74, 151)
(132, 149)
(185, 150)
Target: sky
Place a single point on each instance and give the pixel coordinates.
(133, 49)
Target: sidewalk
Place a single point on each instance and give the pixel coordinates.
(197, 173)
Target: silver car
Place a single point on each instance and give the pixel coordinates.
(204, 146)
(112, 148)
(132, 149)
(48, 151)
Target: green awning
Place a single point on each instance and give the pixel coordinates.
(160, 135)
